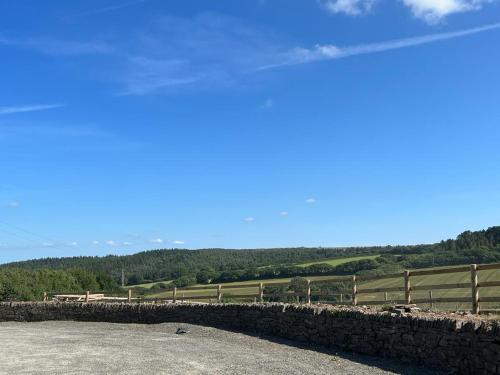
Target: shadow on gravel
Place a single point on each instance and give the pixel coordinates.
(387, 364)
(394, 365)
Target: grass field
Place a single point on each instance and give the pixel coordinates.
(237, 287)
(337, 261)
(149, 285)
(452, 278)
(463, 277)
(330, 261)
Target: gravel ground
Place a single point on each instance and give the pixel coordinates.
(105, 348)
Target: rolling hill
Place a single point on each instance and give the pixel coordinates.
(187, 267)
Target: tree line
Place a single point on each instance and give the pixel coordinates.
(186, 267)
(27, 285)
(157, 265)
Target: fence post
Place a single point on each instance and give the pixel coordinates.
(129, 295)
(385, 297)
(475, 290)
(341, 298)
(407, 287)
(174, 295)
(354, 291)
(44, 296)
(431, 304)
(308, 292)
(87, 296)
(219, 293)
(261, 292)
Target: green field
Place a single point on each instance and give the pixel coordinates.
(330, 261)
(337, 261)
(237, 287)
(149, 285)
(454, 278)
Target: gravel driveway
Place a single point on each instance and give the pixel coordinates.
(105, 348)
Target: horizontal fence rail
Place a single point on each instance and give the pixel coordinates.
(348, 293)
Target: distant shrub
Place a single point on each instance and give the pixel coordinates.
(184, 281)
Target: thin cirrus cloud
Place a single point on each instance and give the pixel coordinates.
(212, 51)
(178, 242)
(157, 240)
(249, 219)
(145, 75)
(56, 47)
(202, 52)
(28, 108)
(300, 55)
(284, 213)
(112, 8)
(311, 200)
(43, 131)
(431, 11)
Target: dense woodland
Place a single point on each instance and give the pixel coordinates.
(19, 284)
(187, 267)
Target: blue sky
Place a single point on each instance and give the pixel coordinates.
(131, 125)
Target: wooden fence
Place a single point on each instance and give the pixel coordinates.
(219, 292)
(354, 295)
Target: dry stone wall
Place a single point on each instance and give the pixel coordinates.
(453, 343)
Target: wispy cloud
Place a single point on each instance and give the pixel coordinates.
(28, 108)
(202, 52)
(146, 75)
(156, 240)
(433, 11)
(112, 8)
(349, 7)
(284, 213)
(249, 219)
(56, 47)
(29, 131)
(178, 242)
(300, 55)
(311, 200)
(63, 138)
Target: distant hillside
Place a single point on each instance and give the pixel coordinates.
(189, 266)
(173, 263)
